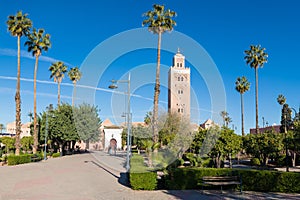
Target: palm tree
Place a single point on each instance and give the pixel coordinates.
(256, 57)
(37, 42)
(158, 21)
(18, 26)
(58, 71)
(224, 115)
(242, 85)
(281, 99)
(1, 127)
(30, 115)
(74, 75)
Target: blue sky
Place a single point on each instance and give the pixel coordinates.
(223, 28)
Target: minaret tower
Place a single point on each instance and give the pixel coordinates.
(179, 87)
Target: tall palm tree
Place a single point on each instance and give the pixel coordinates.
(18, 25)
(58, 71)
(256, 57)
(74, 75)
(242, 85)
(159, 20)
(37, 42)
(281, 99)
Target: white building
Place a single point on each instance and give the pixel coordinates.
(25, 129)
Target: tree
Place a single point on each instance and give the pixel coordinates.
(158, 21)
(74, 75)
(281, 99)
(227, 145)
(226, 118)
(256, 57)
(1, 127)
(9, 143)
(263, 145)
(61, 126)
(18, 26)
(87, 123)
(147, 118)
(242, 85)
(27, 142)
(30, 115)
(58, 71)
(37, 42)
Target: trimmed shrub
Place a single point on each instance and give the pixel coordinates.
(16, 160)
(140, 177)
(252, 180)
(55, 155)
(143, 181)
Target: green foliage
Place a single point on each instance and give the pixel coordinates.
(255, 161)
(252, 180)
(61, 127)
(263, 145)
(27, 142)
(16, 160)
(87, 122)
(9, 143)
(55, 155)
(140, 177)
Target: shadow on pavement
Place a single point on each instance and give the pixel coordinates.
(123, 178)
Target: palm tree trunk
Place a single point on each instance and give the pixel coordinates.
(256, 99)
(156, 92)
(58, 92)
(35, 133)
(18, 103)
(74, 93)
(242, 110)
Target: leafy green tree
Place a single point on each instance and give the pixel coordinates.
(286, 118)
(242, 85)
(37, 42)
(18, 25)
(74, 75)
(158, 20)
(58, 71)
(61, 126)
(294, 141)
(227, 145)
(9, 143)
(87, 123)
(256, 57)
(198, 140)
(169, 128)
(263, 145)
(27, 143)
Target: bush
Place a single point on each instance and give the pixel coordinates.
(16, 160)
(253, 180)
(140, 177)
(55, 155)
(255, 161)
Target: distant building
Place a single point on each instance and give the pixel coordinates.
(276, 128)
(207, 124)
(179, 87)
(25, 129)
(111, 132)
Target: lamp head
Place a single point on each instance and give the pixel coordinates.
(113, 86)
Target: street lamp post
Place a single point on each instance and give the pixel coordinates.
(286, 145)
(114, 86)
(46, 135)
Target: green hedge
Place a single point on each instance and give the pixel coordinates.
(140, 177)
(252, 180)
(55, 155)
(16, 160)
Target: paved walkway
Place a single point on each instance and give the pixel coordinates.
(92, 176)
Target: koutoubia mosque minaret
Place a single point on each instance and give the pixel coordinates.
(179, 96)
